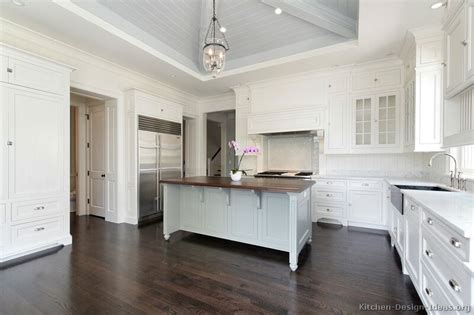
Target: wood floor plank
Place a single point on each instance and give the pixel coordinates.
(122, 269)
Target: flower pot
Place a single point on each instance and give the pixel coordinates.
(237, 176)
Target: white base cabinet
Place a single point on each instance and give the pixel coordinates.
(34, 154)
(437, 259)
(355, 202)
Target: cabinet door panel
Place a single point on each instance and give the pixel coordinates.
(191, 208)
(215, 210)
(413, 241)
(470, 39)
(4, 95)
(387, 119)
(455, 37)
(35, 76)
(363, 127)
(388, 78)
(337, 126)
(275, 227)
(365, 206)
(244, 215)
(36, 156)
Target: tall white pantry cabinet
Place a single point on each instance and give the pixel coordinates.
(34, 153)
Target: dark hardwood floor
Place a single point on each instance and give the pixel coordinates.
(115, 269)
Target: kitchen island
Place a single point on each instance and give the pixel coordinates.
(272, 213)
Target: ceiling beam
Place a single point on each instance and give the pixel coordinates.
(319, 15)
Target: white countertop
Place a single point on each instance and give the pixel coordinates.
(456, 209)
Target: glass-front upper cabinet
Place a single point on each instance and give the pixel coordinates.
(376, 120)
(363, 121)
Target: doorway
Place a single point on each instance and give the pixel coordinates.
(93, 155)
(220, 130)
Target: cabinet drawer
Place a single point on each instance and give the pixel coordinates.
(431, 291)
(36, 76)
(38, 231)
(366, 184)
(34, 209)
(455, 243)
(447, 271)
(330, 183)
(330, 210)
(328, 195)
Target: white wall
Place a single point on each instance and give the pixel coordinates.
(97, 75)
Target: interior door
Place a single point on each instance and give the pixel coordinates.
(96, 154)
(35, 143)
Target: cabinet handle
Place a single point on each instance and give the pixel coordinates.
(39, 229)
(429, 221)
(103, 175)
(455, 242)
(328, 195)
(39, 208)
(454, 285)
(9, 142)
(464, 42)
(429, 292)
(429, 253)
(9, 70)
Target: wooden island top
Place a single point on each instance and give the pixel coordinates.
(277, 185)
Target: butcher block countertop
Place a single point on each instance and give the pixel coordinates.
(276, 185)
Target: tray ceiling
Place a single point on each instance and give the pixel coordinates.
(255, 33)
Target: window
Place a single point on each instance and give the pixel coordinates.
(465, 157)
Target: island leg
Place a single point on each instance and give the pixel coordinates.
(171, 209)
(293, 261)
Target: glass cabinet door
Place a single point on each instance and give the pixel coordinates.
(387, 119)
(363, 121)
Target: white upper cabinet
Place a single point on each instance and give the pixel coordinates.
(337, 84)
(35, 129)
(459, 29)
(423, 102)
(32, 73)
(376, 79)
(455, 52)
(375, 120)
(336, 140)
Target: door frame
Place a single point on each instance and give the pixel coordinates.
(112, 194)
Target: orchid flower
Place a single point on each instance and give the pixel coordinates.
(235, 146)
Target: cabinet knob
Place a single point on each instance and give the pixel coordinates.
(455, 242)
(102, 175)
(39, 208)
(464, 42)
(9, 70)
(9, 142)
(365, 184)
(430, 221)
(329, 85)
(39, 229)
(429, 292)
(429, 253)
(454, 285)
(328, 210)
(375, 80)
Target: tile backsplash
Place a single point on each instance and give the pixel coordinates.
(292, 152)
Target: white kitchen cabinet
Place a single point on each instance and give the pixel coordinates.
(336, 140)
(337, 84)
(376, 79)
(216, 201)
(356, 202)
(365, 206)
(423, 108)
(413, 241)
(34, 154)
(192, 215)
(455, 52)
(36, 134)
(375, 120)
(275, 218)
(243, 216)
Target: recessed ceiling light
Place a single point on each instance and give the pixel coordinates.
(278, 11)
(223, 29)
(19, 3)
(438, 5)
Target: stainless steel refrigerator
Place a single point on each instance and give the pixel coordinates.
(159, 156)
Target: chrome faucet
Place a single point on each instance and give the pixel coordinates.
(454, 176)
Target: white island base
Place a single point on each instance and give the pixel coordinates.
(277, 220)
